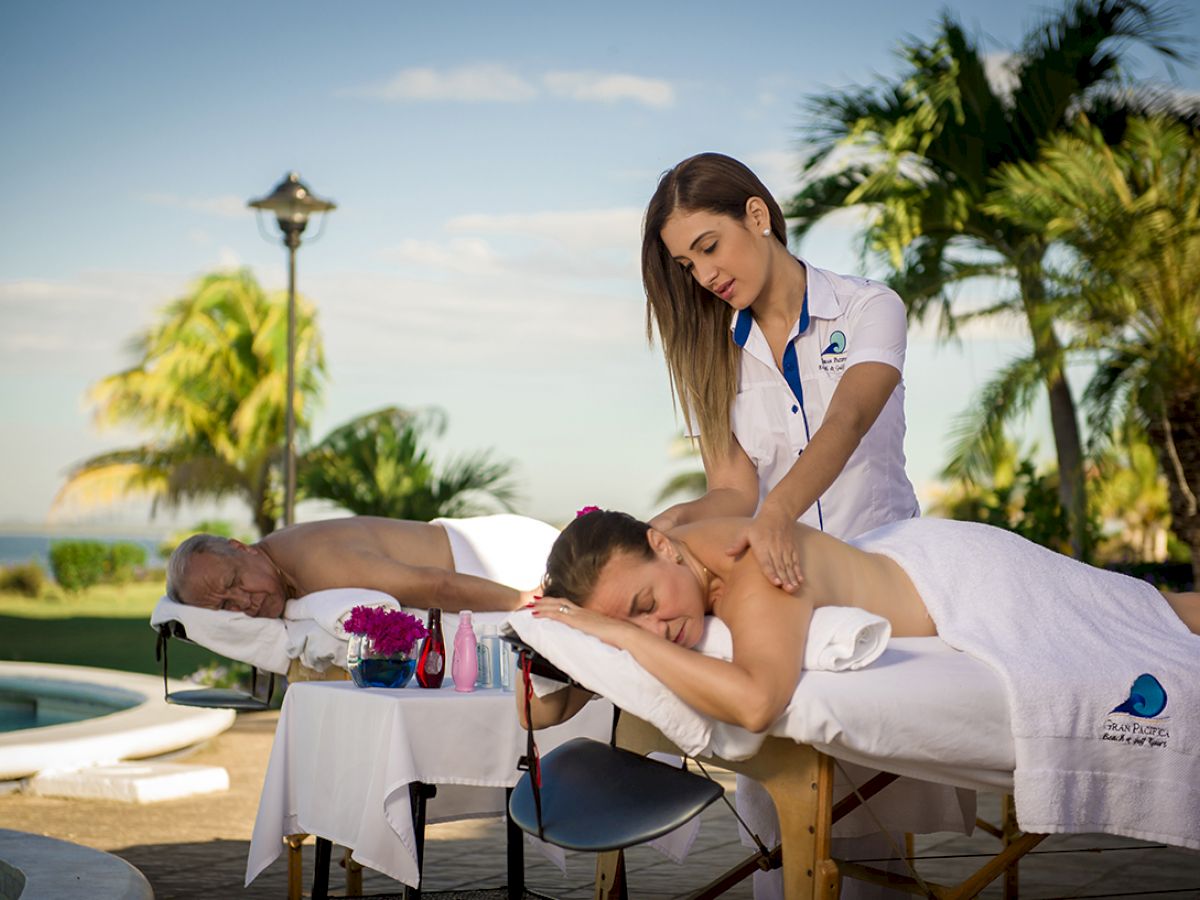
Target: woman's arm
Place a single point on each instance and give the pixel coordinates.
(769, 629)
(427, 586)
(856, 403)
(552, 708)
(732, 491)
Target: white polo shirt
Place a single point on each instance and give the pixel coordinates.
(845, 321)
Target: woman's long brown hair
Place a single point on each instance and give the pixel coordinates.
(693, 323)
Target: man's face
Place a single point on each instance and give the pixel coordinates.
(244, 581)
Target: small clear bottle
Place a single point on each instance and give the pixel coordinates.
(486, 651)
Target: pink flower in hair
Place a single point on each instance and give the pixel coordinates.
(586, 510)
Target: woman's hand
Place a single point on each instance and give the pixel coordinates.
(772, 537)
(611, 631)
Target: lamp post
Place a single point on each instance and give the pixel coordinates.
(292, 203)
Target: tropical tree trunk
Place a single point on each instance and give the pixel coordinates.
(1064, 422)
(260, 501)
(1176, 439)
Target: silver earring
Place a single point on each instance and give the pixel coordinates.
(766, 232)
(679, 559)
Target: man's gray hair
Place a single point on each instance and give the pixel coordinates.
(181, 558)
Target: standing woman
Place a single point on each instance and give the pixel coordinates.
(789, 374)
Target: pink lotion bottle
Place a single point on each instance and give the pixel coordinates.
(466, 661)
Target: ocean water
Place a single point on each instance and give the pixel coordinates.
(21, 548)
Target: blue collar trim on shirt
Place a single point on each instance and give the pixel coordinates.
(743, 320)
(741, 326)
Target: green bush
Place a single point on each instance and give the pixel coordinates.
(27, 579)
(78, 564)
(124, 558)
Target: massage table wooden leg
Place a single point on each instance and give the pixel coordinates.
(610, 876)
(1009, 831)
(295, 865)
(803, 797)
(354, 875)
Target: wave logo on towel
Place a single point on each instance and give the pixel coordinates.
(1147, 700)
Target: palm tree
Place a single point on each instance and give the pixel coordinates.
(920, 154)
(210, 384)
(1130, 215)
(690, 483)
(380, 465)
(1131, 492)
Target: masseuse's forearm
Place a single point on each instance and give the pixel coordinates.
(718, 503)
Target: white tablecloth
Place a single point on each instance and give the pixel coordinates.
(344, 756)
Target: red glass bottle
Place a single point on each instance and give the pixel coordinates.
(431, 665)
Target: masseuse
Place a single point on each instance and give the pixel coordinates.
(790, 374)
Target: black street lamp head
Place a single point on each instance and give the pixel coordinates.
(292, 203)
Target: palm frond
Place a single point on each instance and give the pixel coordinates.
(977, 431)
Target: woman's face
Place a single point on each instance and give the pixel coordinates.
(726, 256)
(658, 595)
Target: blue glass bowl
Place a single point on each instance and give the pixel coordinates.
(387, 671)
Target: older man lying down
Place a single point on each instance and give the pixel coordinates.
(454, 564)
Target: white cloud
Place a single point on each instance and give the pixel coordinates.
(778, 170)
(464, 255)
(571, 247)
(228, 258)
(1001, 72)
(597, 227)
(37, 343)
(481, 82)
(226, 206)
(600, 87)
(494, 83)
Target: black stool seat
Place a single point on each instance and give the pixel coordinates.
(597, 797)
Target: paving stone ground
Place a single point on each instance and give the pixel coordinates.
(197, 847)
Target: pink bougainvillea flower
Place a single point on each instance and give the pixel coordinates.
(586, 510)
(392, 631)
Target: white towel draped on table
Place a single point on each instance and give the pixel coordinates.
(1102, 678)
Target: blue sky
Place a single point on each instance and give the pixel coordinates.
(490, 164)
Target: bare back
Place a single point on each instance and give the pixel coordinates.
(835, 573)
(340, 552)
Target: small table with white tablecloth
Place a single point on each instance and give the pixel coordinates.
(344, 759)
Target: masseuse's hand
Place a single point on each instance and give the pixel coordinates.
(772, 537)
(598, 625)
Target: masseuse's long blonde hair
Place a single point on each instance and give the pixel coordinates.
(693, 323)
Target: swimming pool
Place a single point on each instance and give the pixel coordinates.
(70, 717)
(39, 702)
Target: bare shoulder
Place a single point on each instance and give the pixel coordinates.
(709, 538)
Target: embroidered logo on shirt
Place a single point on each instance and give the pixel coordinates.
(837, 344)
(1147, 701)
(833, 357)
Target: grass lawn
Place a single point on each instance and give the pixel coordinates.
(106, 626)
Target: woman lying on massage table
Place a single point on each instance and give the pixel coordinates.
(647, 592)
